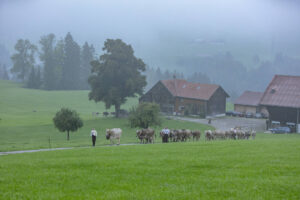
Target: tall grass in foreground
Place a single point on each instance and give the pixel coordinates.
(266, 168)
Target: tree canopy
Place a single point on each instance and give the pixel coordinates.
(71, 66)
(47, 57)
(145, 115)
(23, 60)
(87, 55)
(67, 120)
(116, 75)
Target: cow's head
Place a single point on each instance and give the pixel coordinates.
(108, 134)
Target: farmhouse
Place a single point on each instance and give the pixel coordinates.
(282, 99)
(182, 97)
(248, 102)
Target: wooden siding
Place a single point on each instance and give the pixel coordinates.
(282, 114)
(245, 109)
(217, 103)
(160, 95)
(195, 106)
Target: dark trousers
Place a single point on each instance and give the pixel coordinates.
(165, 138)
(94, 139)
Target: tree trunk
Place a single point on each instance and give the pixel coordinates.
(117, 110)
(68, 136)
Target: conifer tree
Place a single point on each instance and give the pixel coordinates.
(71, 67)
(47, 56)
(87, 55)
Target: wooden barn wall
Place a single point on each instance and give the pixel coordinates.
(160, 95)
(217, 103)
(196, 106)
(244, 108)
(282, 114)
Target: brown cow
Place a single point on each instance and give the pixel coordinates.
(196, 135)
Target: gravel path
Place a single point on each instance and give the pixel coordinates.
(225, 123)
(55, 149)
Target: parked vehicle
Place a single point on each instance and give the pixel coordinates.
(237, 114)
(258, 115)
(264, 116)
(229, 113)
(281, 129)
(249, 115)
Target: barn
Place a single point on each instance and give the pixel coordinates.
(181, 97)
(282, 99)
(249, 102)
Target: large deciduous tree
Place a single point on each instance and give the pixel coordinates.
(116, 75)
(23, 60)
(71, 66)
(67, 120)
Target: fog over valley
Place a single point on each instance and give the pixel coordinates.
(237, 44)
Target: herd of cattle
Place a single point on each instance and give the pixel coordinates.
(177, 135)
(182, 135)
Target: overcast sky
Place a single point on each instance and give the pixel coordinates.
(142, 22)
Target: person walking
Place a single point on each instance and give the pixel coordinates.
(94, 136)
(166, 133)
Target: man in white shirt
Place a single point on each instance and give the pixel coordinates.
(94, 135)
(166, 133)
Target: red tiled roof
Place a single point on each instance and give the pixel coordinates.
(249, 98)
(182, 88)
(283, 91)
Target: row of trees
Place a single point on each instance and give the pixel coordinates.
(65, 65)
(116, 75)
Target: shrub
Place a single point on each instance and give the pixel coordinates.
(145, 115)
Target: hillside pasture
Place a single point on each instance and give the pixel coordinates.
(26, 119)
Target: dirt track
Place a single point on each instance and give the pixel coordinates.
(225, 123)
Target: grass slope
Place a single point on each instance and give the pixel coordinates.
(266, 168)
(17, 104)
(21, 128)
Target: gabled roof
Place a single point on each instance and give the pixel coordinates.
(249, 98)
(283, 91)
(182, 88)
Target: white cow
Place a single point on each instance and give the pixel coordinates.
(114, 133)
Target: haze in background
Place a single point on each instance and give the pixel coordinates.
(164, 34)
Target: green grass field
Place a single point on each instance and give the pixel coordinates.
(21, 128)
(265, 168)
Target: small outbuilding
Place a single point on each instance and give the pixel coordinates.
(177, 96)
(249, 102)
(282, 99)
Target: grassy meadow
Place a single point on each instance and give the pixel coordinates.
(265, 168)
(26, 119)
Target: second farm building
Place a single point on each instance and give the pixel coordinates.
(178, 96)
